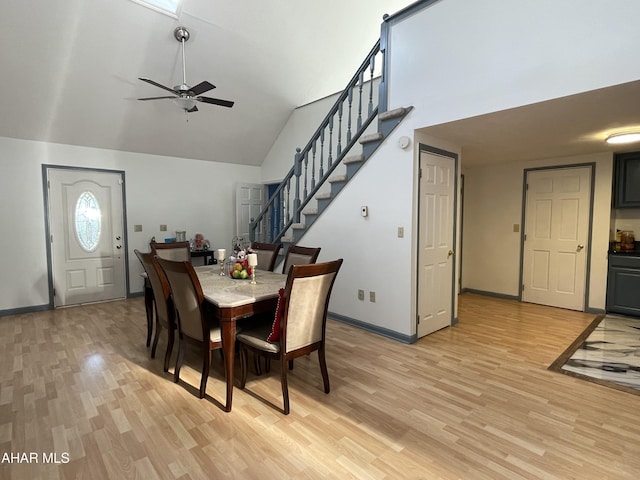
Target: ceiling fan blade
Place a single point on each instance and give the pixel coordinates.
(202, 87)
(215, 101)
(159, 85)
(194, 109)
(155, 98)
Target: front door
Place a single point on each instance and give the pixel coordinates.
(556, 233)
(436, 242)
(86, 235)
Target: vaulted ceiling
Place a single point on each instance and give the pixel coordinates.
(70, 70)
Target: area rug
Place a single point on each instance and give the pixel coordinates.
(606, 353)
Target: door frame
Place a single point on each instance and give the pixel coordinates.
(587, 271)
(47, 229)
(454, 290)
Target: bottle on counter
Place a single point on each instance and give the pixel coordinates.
(617, 246)
(627, 241)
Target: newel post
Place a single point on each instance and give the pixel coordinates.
(297, 171)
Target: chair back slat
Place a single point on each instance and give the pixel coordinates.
(306, 313)
(267, 254)
(159, 286)
(187, 297)
(298, 255)
(175, 251)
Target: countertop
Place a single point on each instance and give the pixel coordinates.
(634, 252)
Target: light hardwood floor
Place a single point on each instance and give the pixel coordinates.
(475, 401)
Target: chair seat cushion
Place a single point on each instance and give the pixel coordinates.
(215, 335)
(256, 337)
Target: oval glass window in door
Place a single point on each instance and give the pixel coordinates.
(88, 221)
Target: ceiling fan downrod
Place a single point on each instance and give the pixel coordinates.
(181, 34)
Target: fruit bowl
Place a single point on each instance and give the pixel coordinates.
(240, 271)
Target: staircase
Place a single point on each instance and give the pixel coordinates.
(340, 146)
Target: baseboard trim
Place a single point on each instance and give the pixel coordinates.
(490, 294)
(22, 310)
(384, 332)
(597, 311)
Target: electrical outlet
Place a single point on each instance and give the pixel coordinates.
(516, 227)
(137, 228)
(372, 296)
(400, 232)
(163, 228)
(360, 294)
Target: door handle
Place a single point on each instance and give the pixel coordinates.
(118, 247)
(118, 238)
(580, 246)
(451, 253)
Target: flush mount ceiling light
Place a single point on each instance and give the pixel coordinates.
(619, 138)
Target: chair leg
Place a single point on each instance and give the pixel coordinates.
(243, 365)
(167, 355)
(179, 359)
(155, 340)
(256, 363)
(323, 369)
(206, 365)
(267, 364)
(285, 387)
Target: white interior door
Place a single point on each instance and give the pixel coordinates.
(436, 243)
(87, 240)
(249, 203)
(556, 234)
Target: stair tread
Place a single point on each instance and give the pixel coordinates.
(396, 112)
(298, 226)
(338, 178)
(353, 159)
(373, 137)
(323, 196)
(311, 211)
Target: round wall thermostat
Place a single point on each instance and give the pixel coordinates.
(404, 142)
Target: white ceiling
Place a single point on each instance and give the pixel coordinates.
(573, 125)
(70, 68)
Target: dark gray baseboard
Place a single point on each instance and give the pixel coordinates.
(490, 294)
(22, 310)
(408, 339)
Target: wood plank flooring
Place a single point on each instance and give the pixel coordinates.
(475, 401)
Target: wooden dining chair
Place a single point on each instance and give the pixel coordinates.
(299, 325)
(267, 254)
(163, 304)
(194, 325)
(297, 255)
(176, 251)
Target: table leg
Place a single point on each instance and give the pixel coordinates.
(228, 348)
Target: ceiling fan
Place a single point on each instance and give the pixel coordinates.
(185, 96)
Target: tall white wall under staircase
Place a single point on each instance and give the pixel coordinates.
(454, 60)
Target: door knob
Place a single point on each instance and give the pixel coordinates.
(451, 253)
(118, 238)
(580, 246)
(118, 247)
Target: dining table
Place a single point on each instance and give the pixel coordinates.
(229, 300)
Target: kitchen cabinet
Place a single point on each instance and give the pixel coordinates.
(627, 180)
(623, 284)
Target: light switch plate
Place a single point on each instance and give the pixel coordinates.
(163, 228)
(400, 232)
(137, 228)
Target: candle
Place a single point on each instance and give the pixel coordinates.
(253, 259)
(221, 253)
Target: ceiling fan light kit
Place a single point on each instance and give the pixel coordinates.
(185, 96)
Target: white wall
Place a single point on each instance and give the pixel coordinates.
(191, 195)
(493, 198)
(454, 60)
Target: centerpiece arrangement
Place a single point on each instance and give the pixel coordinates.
(243, 264)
